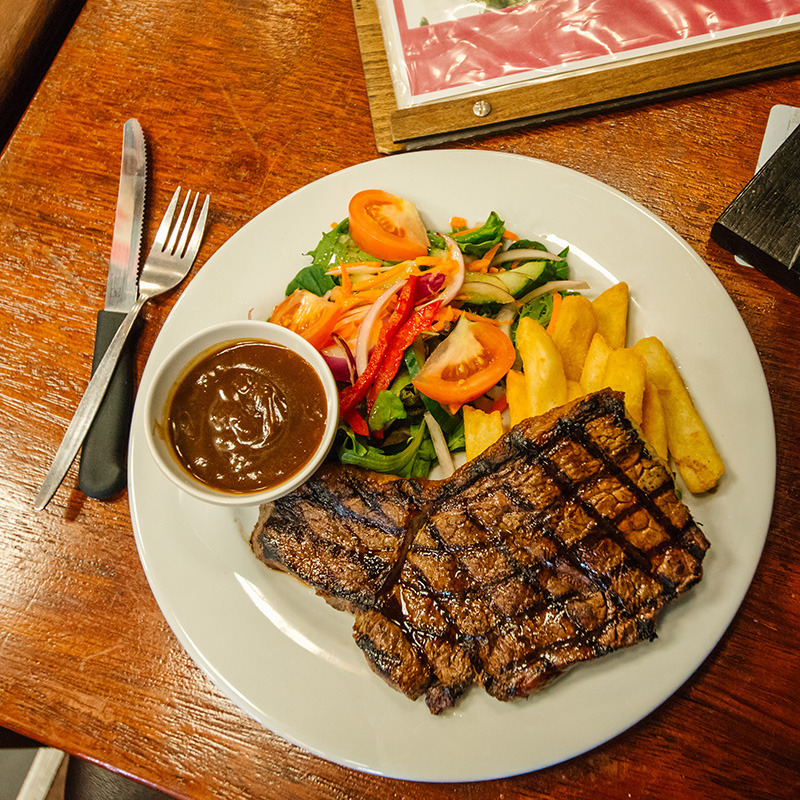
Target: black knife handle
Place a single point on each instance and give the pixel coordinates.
(103, 465)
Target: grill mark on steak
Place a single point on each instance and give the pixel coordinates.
(560, 543)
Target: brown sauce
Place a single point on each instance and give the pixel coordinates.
(246, 416)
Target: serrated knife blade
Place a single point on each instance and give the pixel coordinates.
(122, 287)
(103, 472)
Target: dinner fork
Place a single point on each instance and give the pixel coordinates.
(167, 264)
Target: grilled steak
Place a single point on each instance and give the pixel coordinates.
(558, 544)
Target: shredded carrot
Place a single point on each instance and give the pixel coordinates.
(349, 322)
(368, 295)
(467, 230)
(356, 312)
(353, 316)
(457, 222)
(384, 277)
(482, 264)
(493, 252)
(356, 266)
(347, 286)
(554, 314)
(428, 261)
(511, 236)
(446, 315)
(448, 265)
(357, 298)
(449, 313)
(347, 328)
(478, 318)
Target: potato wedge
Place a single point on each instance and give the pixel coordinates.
(690, 444)
(519, 405)
(626, 372)
(611, 312)
(654, 422)
(481, 430)
(572, 333)
(542, 366)
(594, 366)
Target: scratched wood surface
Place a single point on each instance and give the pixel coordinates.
(250, 101)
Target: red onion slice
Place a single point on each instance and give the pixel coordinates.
(522, 254)
(554, 286)
(506, 316)
(348, 356)
(431, 282)
(339, 367)
(365, 330)
(440, 445)
(454, 287)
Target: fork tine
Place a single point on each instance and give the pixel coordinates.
(185, 232)
(176, 228)
(166, 221)
(199, 228)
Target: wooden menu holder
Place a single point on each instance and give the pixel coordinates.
(762, 224)
(631, 82)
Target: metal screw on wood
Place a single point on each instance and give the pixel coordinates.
(482, 108)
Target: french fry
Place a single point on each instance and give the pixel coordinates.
(574, 390)
(654, 422)
(480, 430)
(572, 333)
(690, 444)
(611, 312)
(519, 405)
(542, 366)
(626, 372)
(594, 366)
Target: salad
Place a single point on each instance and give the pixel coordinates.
(417, 324)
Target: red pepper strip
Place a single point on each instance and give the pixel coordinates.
(357, 423)
(353, 395)
(501, 404)
(420, 322)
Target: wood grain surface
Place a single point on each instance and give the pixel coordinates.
(250, 101)
(31, 31)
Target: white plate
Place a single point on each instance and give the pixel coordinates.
(285, 657)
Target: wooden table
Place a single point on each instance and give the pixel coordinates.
(251, 101)
(31, 31)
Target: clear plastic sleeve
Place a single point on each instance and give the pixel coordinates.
(446, 48)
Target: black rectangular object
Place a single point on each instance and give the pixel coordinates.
(762, 225)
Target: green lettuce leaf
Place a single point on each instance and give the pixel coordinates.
(334, 246)
(386, 409)
(541, 309)
(312, 279)
(406, 461)
(481, 241)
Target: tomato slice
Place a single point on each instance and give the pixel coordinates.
(386, 226)
(313, 317)
(472, 359)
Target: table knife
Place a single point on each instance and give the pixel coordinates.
(103, 464)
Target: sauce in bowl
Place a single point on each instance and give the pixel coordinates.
(246, 416)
